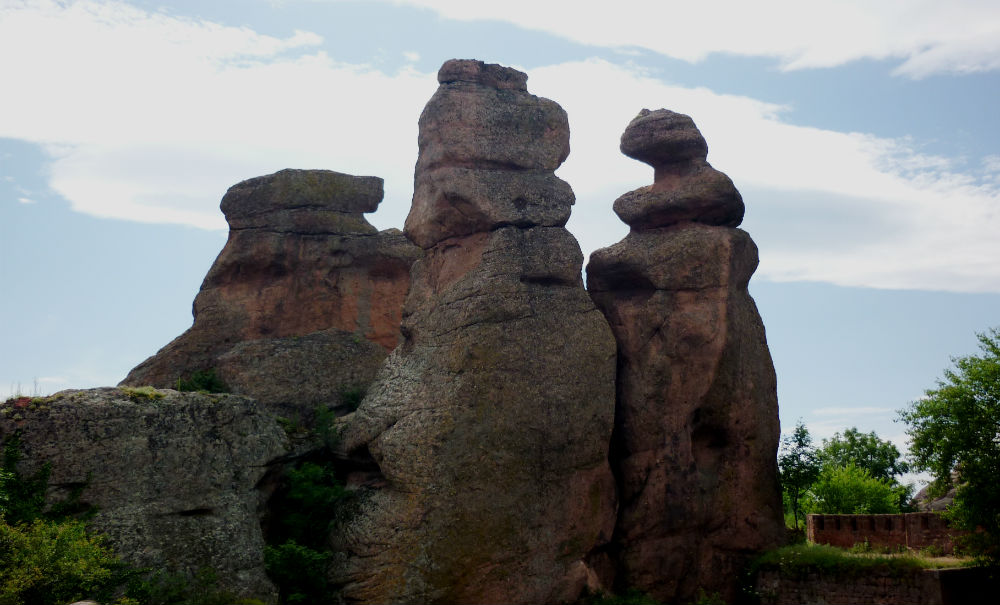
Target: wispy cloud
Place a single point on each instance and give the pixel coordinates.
(150, 118)
(851, 411)
(927, 36)
(25, 200)
(903, 219)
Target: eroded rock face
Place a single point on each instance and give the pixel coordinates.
(491, 422)
(301, 260)
(696, 428)
(173, 476)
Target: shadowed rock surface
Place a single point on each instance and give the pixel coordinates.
(301, 260)
(491, 422)
(696, 427)
(173, 477)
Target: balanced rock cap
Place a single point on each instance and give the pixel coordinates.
(302, 189)
(663, 137)
(487, 74)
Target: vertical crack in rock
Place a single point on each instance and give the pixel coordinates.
(304, 299)
(696, 427)
(491, 422)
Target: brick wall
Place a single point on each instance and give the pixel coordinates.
(913, 530)
(966, 586)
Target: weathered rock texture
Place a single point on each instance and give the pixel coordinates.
(491, 422)
(173, 477)
(696, 427)
(301, 261)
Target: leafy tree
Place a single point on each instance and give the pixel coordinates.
(852, 490)
(880, 458)
(799, 466)
(956, 427)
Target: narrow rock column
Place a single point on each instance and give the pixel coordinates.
(696, 427)
(491, 422)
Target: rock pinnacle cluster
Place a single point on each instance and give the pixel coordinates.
(490, 422)
(696, 427)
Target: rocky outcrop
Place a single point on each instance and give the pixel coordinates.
(301, 261)
(696, 428)
(172, 475)
(490, 423)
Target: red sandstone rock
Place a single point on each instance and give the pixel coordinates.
(301, 259)
(491, 422)
(685, 187)
(696, 425)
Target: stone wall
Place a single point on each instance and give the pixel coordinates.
(966, 586)
(912, 530)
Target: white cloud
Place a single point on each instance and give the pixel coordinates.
(905, 219)
(411, 56)
(25, 200)
(929, 36)
(852, 411)
(151, 118)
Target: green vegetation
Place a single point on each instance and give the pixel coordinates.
(955, 428)
(799, 466)
(851, 490)
(47, 556)
(866, 451)
(298, 551)
(853, 473)
(351, 397)
(303, 509)
(142, 393)
(203, 381)
(799, 560)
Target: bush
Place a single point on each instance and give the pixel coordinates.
(299, 572)
(204, 381)
(849, 490)
(50, 563)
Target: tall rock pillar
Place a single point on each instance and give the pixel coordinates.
(696, 427)
(490, 423)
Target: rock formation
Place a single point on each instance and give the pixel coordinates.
(301, 261)
(490, 423)
(172, 475)
(696, 427)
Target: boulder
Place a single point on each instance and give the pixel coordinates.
(696, 426)
(172, 475)
(490, 423)
(301, 261)
(685, 186)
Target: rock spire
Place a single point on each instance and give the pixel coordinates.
(490, 423)
(696, 427)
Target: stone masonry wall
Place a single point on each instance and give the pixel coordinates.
(958, 586)
(913, 530)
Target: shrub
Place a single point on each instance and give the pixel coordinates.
(203, 381)
(50, 563)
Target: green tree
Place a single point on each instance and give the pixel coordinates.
(880, 458)
(799, 466)
(956, 427)
(851, 490)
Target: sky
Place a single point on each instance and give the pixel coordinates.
(864, 137)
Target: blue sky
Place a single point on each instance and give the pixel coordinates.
(865, 138)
